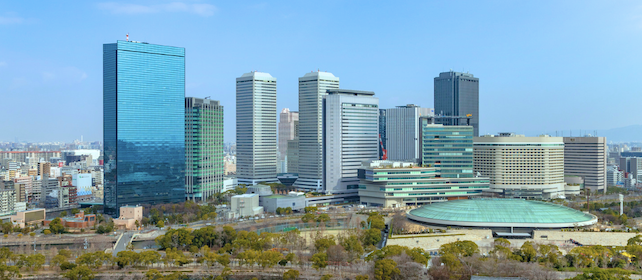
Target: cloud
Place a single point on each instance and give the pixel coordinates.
(11, 20)
(174, 7)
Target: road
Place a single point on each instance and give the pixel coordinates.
(122, 242)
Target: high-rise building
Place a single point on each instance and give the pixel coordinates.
(457, 94)
(382, 135)
(312, 88)
(256, 128)
(586, 157)
(633, 166)
(286, 130)
(350, 136)
(144, 124)
(522, 167)
(447, 148)
(203, 148)
(44, 168)
(402, 132)
(293, 151)
(614, 176)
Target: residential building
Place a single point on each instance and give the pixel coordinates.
(384, 183)
(144, 124)
(256, 128)
(522, 167)
(586, 157)
(287, 130)
(7, 201)
(457, 94)
(312, 88)
(350, 136)
(44, 168)
(402, 132)
(203, 148)
(448, 148)
(614, 177)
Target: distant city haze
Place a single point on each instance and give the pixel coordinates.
(543, 66)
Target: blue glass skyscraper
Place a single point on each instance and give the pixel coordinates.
(144, 124)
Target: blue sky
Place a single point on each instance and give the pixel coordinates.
(543, 65)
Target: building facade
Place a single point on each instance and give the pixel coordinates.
(287, 131)
(256, 128)
(143, 124)
(522, 167)
(312, 88)
(447, 148)
(457, 94)
(398, 184)
(402, 132)
(350, 136)
(586, 157)
(203, 148)
(383, 152)
(632, 166)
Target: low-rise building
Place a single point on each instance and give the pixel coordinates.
(397, 184)
(79, 220)
(128, 217)
(245, 205)
(27, 217)
(294, 200)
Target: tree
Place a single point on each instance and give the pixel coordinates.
(310, 209)
(94, 260)
(269, 258)
(637, 240)
(46, 232)
(126, 258)
(371, 237)
(361, 277)
(322, 244)
(528, 252)
(288, 210)
(175, 238)
(5, 255)
(149, 257)
(160, 224)
(376, 221)
(308, 217)
(80, 272)
(67, 266)
(336, 254)
(386, 269)
(8, 272)
(63, 214)
(604, 274)
(205, 236)
(56, 226)
(75, 211)
(326, 277)
(319, 260)
(224, 259)
(352, 245)
(7, 227)
(459, 248)
(137, 223)
(291, 275)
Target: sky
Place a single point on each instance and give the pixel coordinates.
(543, 65)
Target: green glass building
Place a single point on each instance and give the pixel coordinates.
(203, 148)
(448, 148)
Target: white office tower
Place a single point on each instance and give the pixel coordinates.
(287, 132)
(312, 88)
(402, 132)
(350, 136)
(256, 128)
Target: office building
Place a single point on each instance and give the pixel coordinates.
(614, 177)
(447, 148)
(633, 166)
(522, 167)
(586, 157)
(143, 124)
(383, 152)
(256, 128)
(293, 156)
(457, 94)
(312, 88)
(203, 148)
(385, 183)
(350, 136)
(402, 132)
(287, 130)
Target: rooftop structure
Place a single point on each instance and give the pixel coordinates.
(501, 213)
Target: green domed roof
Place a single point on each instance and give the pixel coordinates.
(496, 212)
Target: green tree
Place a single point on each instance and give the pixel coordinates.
(322, 244)
(604, 274)
(7, 228)
(175, 238)
(160, 224)
(291, 274)
(94, 260)
(56, 226)
(126, 258)
(176, 257)
(149, 257)
(224, 259)
(326, 277)
(269, 258)
(67, 266)
(319, 260)
(5, 255)
(76, 211)
(371, 237)
(459, 248)
(205, 236)
(249, 257)
(386, 269)
(63, 214)
(46, 232)
(376, 221)
(308, 217)
(361, 277)
(637, 240)
(528, 252)
(80, 272)
(323, 218)
(10, 272)
(310, 209)
(352, 245)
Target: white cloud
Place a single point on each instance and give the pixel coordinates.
(174, 7)
(11, 20)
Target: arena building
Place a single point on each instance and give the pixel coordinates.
(506, 217)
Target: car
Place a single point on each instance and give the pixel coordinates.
(208, 224)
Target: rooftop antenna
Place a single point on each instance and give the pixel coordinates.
(127, 37)
(208, 97)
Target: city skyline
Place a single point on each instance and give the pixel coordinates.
(518, 57)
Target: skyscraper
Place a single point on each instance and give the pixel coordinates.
(447, 148)
(144, 124)
(203, 148)
(402, 130)
(256, 128)
(586, 157)
(286, 131)
(312, 88)
(457, 94)
(350, 136)
(382, 134)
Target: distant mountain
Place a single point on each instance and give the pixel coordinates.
(631, 133)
